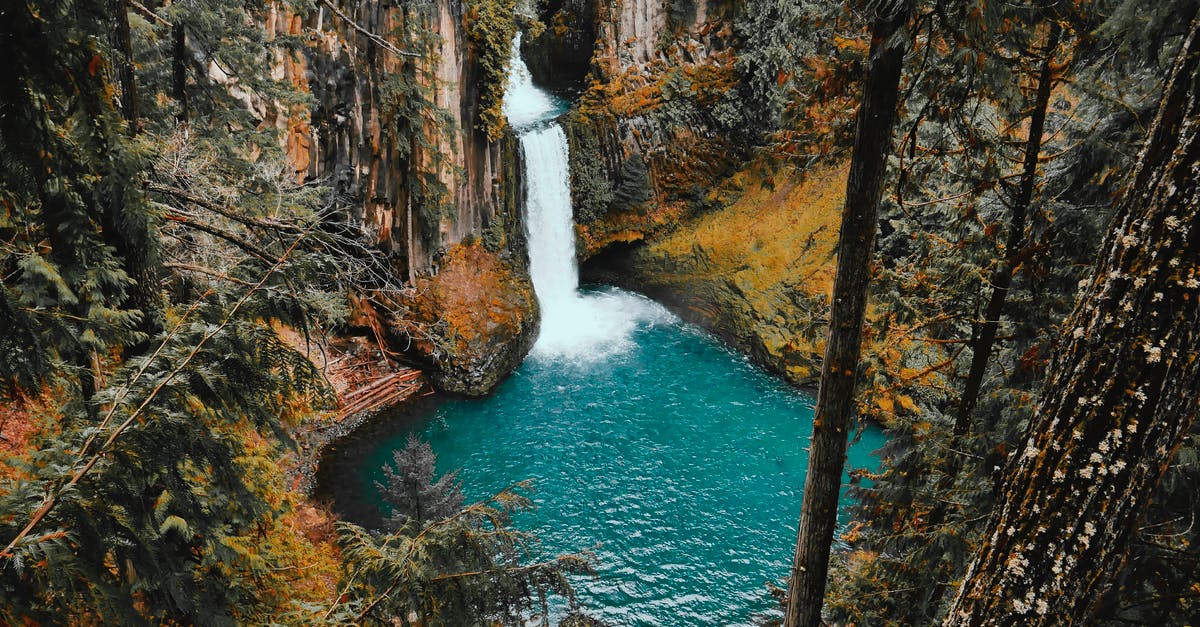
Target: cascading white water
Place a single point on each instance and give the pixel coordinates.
(575, 326)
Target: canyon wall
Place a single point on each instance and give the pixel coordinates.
(645, 144)
(394, 129)
(672, 198)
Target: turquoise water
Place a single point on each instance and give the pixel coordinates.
(681, 460)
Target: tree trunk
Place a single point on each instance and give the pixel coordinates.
(179, 70)
(125, 71)
(835, 399)
(985, 333)
(1120, 395)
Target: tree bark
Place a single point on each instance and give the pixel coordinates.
(856, 247)
(179, 70)
(125, 70)
(1120, 395)
(985, 333)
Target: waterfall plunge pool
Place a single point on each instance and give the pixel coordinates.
(681, 459)
(677, 461)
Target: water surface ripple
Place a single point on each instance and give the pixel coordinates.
(679, 458)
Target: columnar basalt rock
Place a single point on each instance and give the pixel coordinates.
(356, 140)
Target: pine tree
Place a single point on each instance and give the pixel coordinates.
(1101, 438)
(856, 247)
(411, 491)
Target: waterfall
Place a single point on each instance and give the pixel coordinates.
(576, 326)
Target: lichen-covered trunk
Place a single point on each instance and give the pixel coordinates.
(1121, 392)
(985, 333)
(835, 398)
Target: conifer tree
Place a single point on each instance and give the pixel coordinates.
(1102, 436)
(412, 492)
(839, 372)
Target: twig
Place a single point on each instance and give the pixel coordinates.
(385, 44)
(141, 8)
(52, 499)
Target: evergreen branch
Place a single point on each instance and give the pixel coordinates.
(53, 499)
(480, 506)
(221, 210)
(222, 276)
(385, 44)
(246, 246)
(561, 559)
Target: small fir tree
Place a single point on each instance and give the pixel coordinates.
(411, 491)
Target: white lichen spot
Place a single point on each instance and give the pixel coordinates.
(1043, 607)
(1153, 354)
(1133, 426)
(1096, 458)
(1016, 564)
(1086, 472)
(1192, 283)
(1171, 222)
(1158, 296)
(1077, 333)
(1059, 475)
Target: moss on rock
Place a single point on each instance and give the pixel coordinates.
(757, 272)
(473, 322)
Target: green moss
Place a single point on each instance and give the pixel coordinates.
(491, 26)
(591, 189)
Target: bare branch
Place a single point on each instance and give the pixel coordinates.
(383, 43)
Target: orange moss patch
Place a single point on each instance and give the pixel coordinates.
(473, 322)
(760, 271)
(24, 420)
(627, 226)
(475, 296)
(769, 236)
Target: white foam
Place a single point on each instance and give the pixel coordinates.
(524, 104)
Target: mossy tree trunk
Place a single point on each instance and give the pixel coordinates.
(1120, 395)
(856, 247)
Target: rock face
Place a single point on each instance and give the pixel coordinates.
(361, 145)
(473, 322)
(643, 143)
(560, 57)
(397, 135)
(758, 272)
